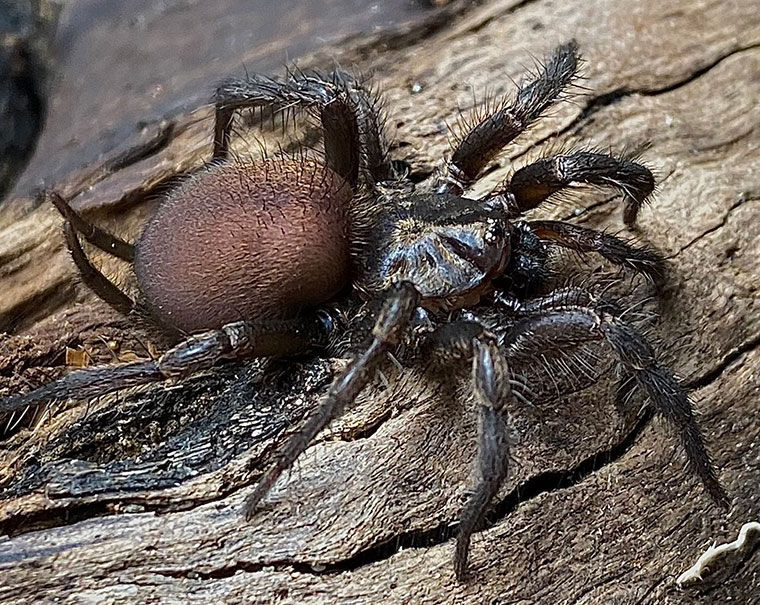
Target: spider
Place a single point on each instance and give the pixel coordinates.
(245, 256)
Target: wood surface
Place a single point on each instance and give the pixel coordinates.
(136, 497)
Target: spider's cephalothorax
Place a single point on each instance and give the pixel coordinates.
(244, 253)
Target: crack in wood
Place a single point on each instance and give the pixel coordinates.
(473, 29)
(599, 102)
(747, 347)
(614, 96)
(737, 204)
(536, 486)
(143, 151)
(213, 569)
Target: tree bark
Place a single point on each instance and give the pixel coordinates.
(136, 497)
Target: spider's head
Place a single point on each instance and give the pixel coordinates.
(450, 247)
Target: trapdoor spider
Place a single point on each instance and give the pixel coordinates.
(244, 253)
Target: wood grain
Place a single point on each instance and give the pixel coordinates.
(136, 498)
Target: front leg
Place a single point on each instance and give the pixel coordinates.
(483, 141)
(618, 251)
(492, 387)
(535, 183)
(387, 333)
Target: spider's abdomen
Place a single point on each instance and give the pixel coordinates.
(246, 241)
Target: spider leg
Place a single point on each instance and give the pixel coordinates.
(367, 105)
(477, 147)
(341, 138)
(614, 249)
(571, 326)
(94, 279)
(388, 331)
(86, 384)
(92, 233)
(328, 98)
(564, 297)
(534, 183)
(350, 117)
(199, 352)
(492, 386)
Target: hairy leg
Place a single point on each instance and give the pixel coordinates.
(566, 327)
(477, 147)
(616, 250)
(556, 300)
(199, 352)
(533, 184)
(328, 99)
(388, 331)
(370, 118)
(92, 233)
(492, 387)
(94, 279)
(350, 116)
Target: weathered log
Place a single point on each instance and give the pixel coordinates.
(137, 497)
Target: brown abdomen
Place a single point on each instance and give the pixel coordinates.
(244, 241)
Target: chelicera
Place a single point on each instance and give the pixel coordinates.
(245, 255)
